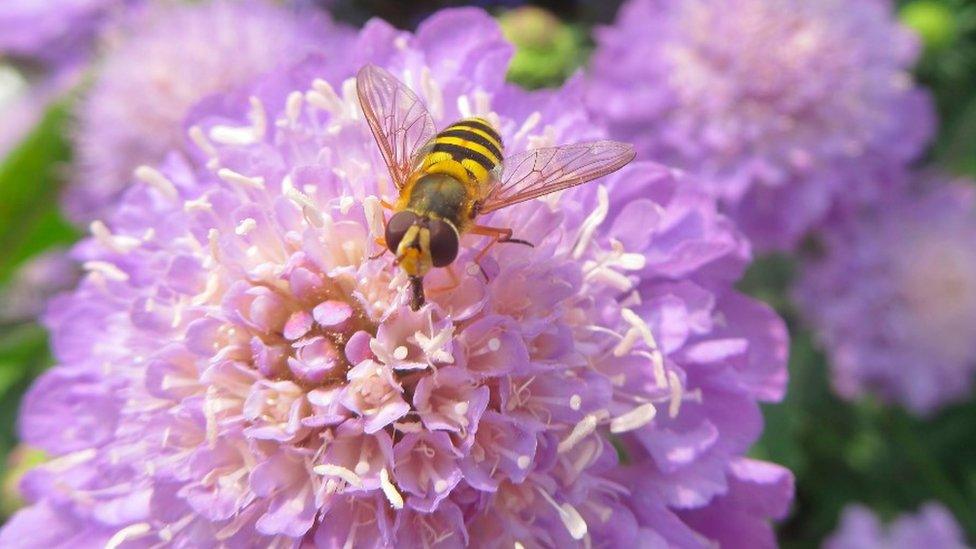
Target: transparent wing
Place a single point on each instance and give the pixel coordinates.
(538, 172)
(398, 118)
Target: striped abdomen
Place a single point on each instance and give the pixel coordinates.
(469, 148)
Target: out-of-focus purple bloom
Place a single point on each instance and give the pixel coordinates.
(165, 60)
(237, 366)
(54, 33)
(932, 526)
(894, 298)
(783, 108)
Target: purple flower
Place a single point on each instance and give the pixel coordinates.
(894, 299)
(239, 365)
(164, 61)
(24, 296)
(932, 526)
(782, 108)
(54, 32)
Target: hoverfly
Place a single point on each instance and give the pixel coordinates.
(446, 180)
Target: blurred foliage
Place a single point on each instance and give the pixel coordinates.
(30, 180)
(547, 51)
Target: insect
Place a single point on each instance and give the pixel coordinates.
(447, 180)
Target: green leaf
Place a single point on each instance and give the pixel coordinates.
(31, 178)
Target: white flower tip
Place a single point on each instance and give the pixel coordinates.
(634, 419)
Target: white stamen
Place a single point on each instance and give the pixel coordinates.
(130, 532)
(494, 344)
(311, 212)
(362, 468)
(575, 402)
(530, 123)
(390, 491)
(231, 176)
(374, 215)
(464, 106)
(592, 222)
(157, 180)
(634, 419)
(213, 239)
(400, 352)
(432, 91)
(645, 330)
(568, 514)
(107, 270)
(350, 477)
(234, 135)
(259, 118)
(580, 431)
(440, 486)
(631, 337)
(197, 204)
(245, 226)
(119, 243)
(482, 103)
(461, 408)
(293, 107)
(200, 140)
(523, 462)
(676, 390)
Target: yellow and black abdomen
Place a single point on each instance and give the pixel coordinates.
(470, 149)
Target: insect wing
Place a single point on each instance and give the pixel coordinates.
(545, 170)
(398, 119)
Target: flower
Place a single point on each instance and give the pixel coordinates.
(894, 299)
(931, 526)
(782, 108)
(54, 32)
(164, 61)
(242, 364)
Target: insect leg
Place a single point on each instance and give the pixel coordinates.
(497, 235)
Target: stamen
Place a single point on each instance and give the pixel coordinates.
(432, 91)
(130, 532)
(494, 344)
(645, 330)
(350, 477)
(246, 225)
(530, 123)
(107, 270)
(118, 243)
(293, 107)
(523, 462)
(676, 391)
(200, 140)
(568, 514)
(390, 491)
(400, 352)
(575, 402)
(231, 176)
(157, 180)
(634, 419)
(464, 106)
(581, 430)
(592, 222)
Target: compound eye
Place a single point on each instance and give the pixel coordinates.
(396, 227)
(443, 243)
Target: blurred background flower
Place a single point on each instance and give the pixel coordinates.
(134, 110)
(932, 526)
(893, 298)
(727, 90)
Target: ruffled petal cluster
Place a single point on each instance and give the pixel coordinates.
(783, 108)
(162, 61)
(932, 526)
(893, 299)
(241, 366)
